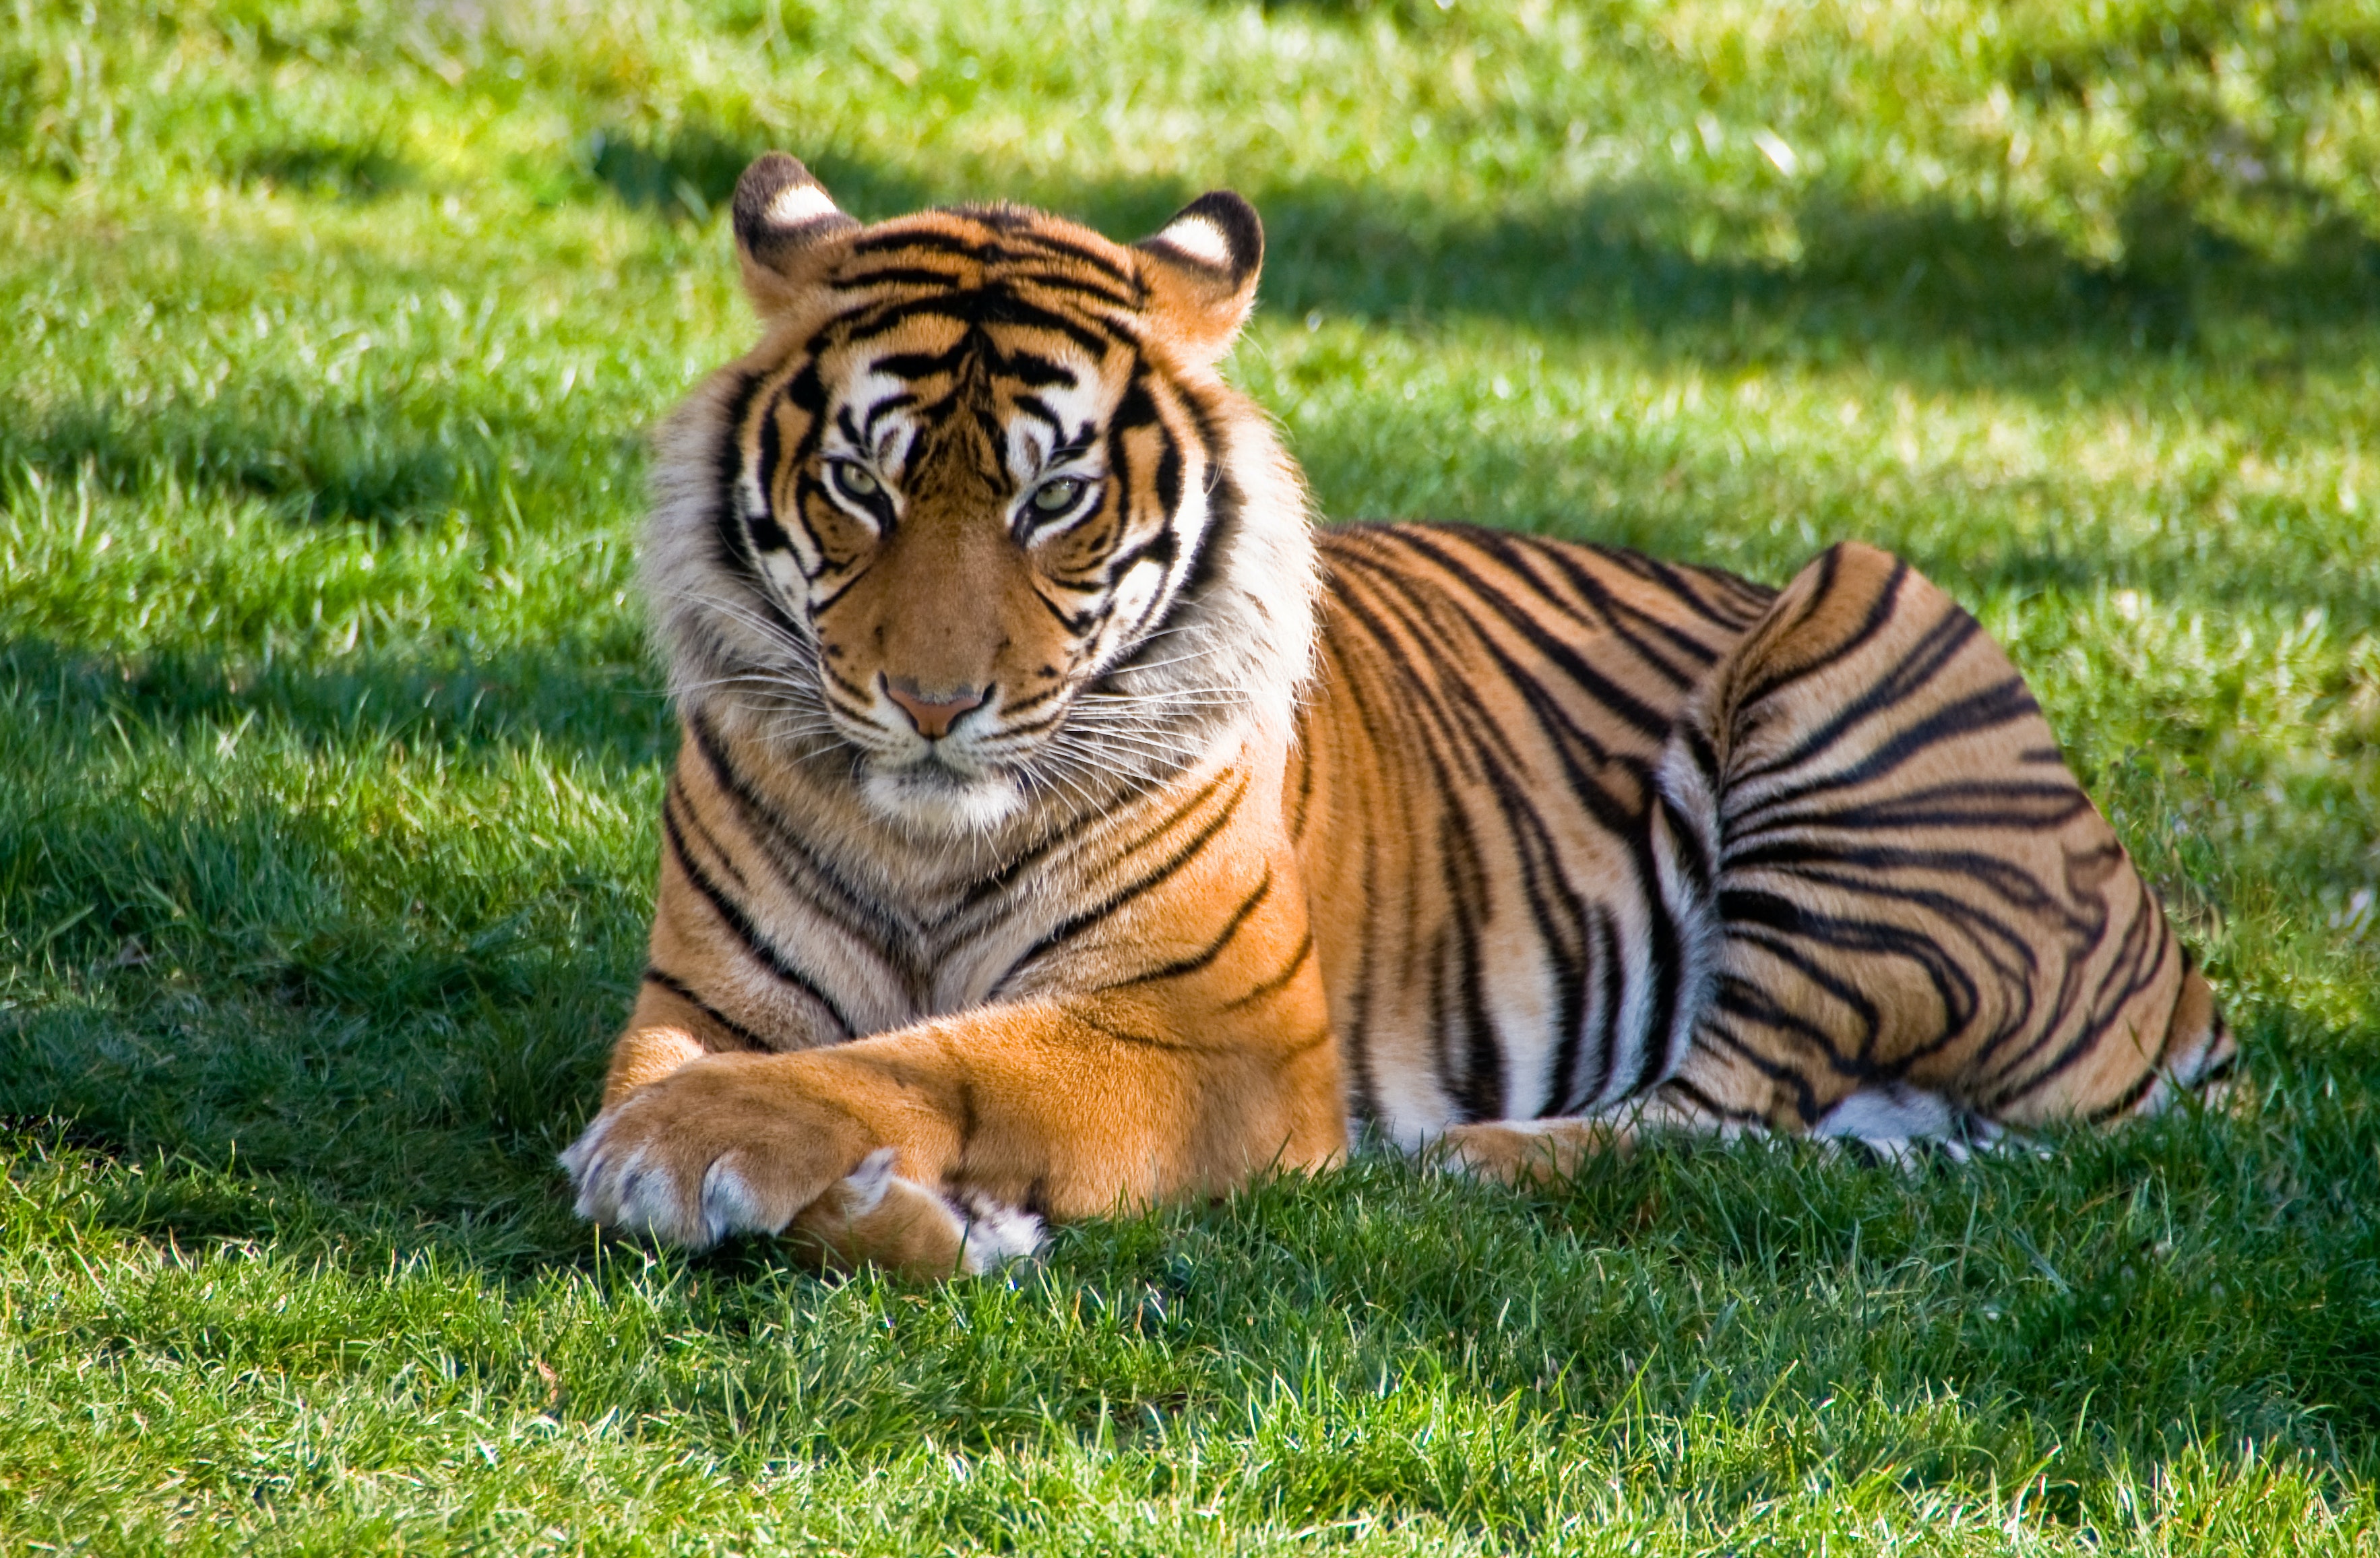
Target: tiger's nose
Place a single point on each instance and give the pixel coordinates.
(932, 716)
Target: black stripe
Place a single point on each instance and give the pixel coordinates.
(685, 993)
(855, 912)
(1624, 823)
(974, 308)
(2005, 879)
(1442, 637)
(1364, 1097)
(1880, 611)
(897, 275)
(1214, 949)
(1015, 868)
(2026, 808)
(1036, 371)
(767, 534)
(984, 251)
(1075, 924)
(673, 799)
(1786, 919)
(1995, 706)
(730, 538)
(1225, 506)
(1564, 1094)
(1750, 599)
(1712, 1031)
(880, 410)
(1141, 1041)
(1622, 703)
(1624, 620)
(1280, 981)
(1479, 1084)
(1711, 1106)
(740, 925)
(903, 238)
(1068, 248)
(1302, 755)
(921, 365)
(2147, 923)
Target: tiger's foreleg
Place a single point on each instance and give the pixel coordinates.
(1177, 1043)
(1176, 1049)
(1070, 1107)
(873, 1214)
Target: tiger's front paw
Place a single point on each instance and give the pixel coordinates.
(723, 1145)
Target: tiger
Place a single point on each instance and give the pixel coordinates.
(1065, 821)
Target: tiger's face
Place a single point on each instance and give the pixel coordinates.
(982, 475)
(972, 550)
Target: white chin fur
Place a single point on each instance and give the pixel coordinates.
(942, 802)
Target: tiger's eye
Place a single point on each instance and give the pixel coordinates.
(854, 481)
(1054, 496)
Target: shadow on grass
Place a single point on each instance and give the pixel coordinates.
(321, 166)
(393, 1018)
(691, 172)
(317, 459)
(233, 990)
(575, 697)
(1907, 279)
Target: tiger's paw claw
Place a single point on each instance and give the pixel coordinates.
(707, 1153)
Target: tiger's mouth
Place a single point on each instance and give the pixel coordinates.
(967, 782)
(942, 792)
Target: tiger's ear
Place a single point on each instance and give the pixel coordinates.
(1201, 270)
(784, 224)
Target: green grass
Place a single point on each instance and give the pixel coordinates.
(329, 765)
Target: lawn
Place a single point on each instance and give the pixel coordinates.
(330, 765)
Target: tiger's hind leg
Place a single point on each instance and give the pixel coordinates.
(1915, 898)
(1544, 1152)
(1886, 1123)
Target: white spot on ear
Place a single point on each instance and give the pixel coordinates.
(1200, 239)
(798, 203)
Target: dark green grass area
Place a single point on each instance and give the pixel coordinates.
(330, 764)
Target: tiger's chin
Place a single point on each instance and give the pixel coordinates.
(928, 797)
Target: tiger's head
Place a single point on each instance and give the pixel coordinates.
(978, 514)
